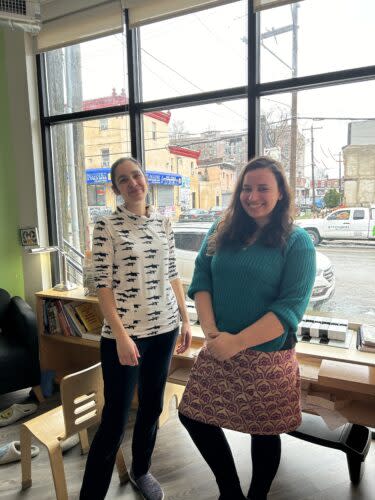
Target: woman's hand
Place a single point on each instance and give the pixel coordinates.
(127, 350)
(185, 337)
(223, 345)
(210, 333)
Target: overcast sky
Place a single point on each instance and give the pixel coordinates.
(207, 51)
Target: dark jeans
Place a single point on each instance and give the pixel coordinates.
(214, 448)
(119, 384)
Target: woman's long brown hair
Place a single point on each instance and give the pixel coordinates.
(237, 227)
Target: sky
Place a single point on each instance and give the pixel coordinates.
(207, 51)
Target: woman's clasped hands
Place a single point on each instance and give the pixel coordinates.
(223, 345)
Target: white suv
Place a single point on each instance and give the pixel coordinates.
(189, 237)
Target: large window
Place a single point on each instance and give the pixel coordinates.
(81, 169)
(208, 90)
(191, 164)
(87, 76)
(195, 53)
(333, 152)
(316, 36)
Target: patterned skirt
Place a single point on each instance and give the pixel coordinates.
(253, 392)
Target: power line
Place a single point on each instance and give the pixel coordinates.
(171, 69)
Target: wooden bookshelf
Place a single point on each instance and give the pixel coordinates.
(60, 353)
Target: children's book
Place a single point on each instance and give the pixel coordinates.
(64, 324)
(89, 316)
(79, 327)
(53, 324)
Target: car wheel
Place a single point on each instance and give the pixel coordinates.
(314, 235)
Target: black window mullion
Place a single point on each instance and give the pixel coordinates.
(47, 164)
(253, 78)
(86, 115)
(135, 91)
(212, 96)
(320, 80)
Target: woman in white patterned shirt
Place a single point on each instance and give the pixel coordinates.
(141, 297)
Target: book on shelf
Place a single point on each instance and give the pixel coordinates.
(45, 315)
(52, 325)
(64, 324)
(71, 319)
(89, 316)
(79, 327)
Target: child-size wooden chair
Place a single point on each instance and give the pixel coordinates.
(82, 403)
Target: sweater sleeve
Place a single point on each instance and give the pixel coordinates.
(102, 253)
(172, 270)
(202, 277)
(297, 281)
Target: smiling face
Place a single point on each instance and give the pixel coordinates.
(130, 183)
(259, 195)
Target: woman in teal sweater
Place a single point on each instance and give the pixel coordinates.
(252, 282)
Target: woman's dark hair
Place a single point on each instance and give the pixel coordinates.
(116, 164)
(237, 227)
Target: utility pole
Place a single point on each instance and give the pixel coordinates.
(339, 161)
(294, 70)
(293, 122)
(340, 185)
(312, 128)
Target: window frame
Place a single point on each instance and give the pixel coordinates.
(135, 108)
(105, 157)
(103, 124)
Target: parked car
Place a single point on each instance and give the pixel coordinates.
(195, 214)
(216, 212)
(189, 238)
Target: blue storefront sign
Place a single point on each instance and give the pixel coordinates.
(98, 176)
(164, 178)
(102, 176)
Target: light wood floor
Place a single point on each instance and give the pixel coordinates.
(307, 471)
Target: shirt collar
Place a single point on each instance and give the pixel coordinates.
(137, 218)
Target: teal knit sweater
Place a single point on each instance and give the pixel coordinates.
(248, 283)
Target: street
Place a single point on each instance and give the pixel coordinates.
(354, 296)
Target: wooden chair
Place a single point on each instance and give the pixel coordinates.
(82, 403)
(172, 391)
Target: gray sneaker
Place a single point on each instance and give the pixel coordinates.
(148, 486)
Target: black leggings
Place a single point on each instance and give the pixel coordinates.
(119, 384)
(213, 446)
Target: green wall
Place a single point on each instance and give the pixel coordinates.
(11, 273)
